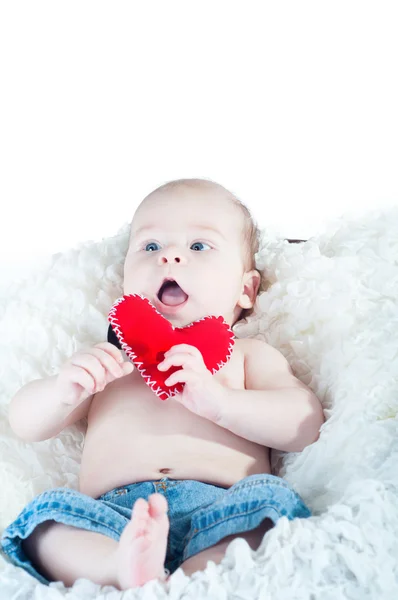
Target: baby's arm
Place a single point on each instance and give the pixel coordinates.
(44, 407)
(276, 409)
(38, 412)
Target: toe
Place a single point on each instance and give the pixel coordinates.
(157, 506)
(139, 521)
(140, 509)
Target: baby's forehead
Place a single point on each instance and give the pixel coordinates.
(176, 213)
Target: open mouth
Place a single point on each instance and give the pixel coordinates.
(171, 294)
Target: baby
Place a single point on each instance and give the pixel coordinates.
(165, 484)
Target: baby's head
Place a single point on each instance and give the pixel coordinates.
(200, 235)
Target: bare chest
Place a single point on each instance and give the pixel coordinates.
(132, 435)
(131, 396)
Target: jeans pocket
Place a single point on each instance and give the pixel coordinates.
(115, 493)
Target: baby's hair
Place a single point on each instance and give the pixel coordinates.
(251, 231)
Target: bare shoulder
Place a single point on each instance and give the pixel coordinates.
(266, 367)
(252, 348)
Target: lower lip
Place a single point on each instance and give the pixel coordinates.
(170, 310)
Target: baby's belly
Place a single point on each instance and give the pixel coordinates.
(143, 438)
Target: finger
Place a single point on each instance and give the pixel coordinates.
(80, 376)
(92, 365)
(179, 360)
(112, 350)
(128, 367)
(188, 348)
(182, 376)
(107, 361)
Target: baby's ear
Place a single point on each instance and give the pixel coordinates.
(250, 285)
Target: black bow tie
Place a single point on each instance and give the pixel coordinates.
(112, 338)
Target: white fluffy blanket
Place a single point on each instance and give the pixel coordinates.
(332, 311)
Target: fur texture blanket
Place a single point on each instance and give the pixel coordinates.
(332, 310)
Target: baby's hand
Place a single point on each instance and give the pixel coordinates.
(202, 394)
(88, 371)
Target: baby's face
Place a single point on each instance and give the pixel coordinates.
(194, 238)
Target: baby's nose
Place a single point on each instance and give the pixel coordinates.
(171, 255)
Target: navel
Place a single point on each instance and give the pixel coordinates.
(165, 471)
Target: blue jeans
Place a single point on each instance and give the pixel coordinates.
(200, 514)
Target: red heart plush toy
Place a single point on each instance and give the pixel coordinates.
(145, 335)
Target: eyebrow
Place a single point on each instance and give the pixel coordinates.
(204, 227)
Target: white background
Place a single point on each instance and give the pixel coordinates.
(290, 105)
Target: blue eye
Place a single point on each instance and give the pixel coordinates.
(151, 244)
(203, 243)
(156, 244)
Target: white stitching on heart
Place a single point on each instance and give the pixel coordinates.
(126, 348)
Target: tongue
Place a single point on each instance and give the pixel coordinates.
(173, 295)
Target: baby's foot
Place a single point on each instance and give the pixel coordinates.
(142, 546)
